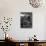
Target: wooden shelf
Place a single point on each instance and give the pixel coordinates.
(24, 42)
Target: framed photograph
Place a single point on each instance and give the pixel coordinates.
(26, 20)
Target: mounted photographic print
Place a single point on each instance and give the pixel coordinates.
(26, 20)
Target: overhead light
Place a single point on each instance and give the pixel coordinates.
(36, 3)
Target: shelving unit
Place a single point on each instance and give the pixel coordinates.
(22, 43)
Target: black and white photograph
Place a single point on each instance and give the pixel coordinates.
(22, 22)
(26, 20)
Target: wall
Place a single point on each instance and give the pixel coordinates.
(12, 8)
